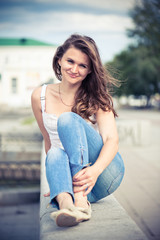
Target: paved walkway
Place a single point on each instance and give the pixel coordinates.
(139, 192)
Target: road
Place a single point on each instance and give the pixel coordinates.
(139, 192)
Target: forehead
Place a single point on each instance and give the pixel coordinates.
(76, 55)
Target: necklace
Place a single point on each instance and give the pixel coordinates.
(62, 99)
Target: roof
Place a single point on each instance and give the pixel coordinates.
(22, 42)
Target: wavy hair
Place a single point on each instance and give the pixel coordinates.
(95, 90)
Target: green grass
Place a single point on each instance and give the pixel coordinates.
(28, 121)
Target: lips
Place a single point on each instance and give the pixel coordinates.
(72, 75)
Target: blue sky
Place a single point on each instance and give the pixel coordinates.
(54, 20)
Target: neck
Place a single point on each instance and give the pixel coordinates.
(67, 93)
(69, 89)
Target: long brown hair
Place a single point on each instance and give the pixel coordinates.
(94, 92)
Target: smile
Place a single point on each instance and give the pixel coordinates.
(72, 75)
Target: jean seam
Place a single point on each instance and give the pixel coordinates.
(82, 148)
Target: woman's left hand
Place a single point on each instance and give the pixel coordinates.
(85, 180)
(47, 194)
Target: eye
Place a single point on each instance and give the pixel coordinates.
(70, 60)
(83, 66)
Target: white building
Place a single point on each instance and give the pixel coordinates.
(24, 65)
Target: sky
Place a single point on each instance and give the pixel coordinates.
(53, 21)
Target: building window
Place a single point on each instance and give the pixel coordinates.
(14, 85)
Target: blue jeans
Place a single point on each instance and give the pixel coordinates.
(82, 145)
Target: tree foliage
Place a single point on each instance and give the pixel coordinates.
(139, 65)
(146, 18)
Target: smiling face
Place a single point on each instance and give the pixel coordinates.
(75, 65)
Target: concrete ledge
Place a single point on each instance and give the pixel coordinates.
(109, 220)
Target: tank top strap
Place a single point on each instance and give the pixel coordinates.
(43, 97)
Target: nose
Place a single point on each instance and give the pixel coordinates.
(75, 68)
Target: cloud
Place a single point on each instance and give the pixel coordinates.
(60, 18)
(118, 5)
(84, 6)
(54, 20)
(75, 21)
(110, 5)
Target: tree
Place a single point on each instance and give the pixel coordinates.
(139, 64)
(146, 17)
(137, 73)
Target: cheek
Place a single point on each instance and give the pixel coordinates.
(85, 73)
(65, 65)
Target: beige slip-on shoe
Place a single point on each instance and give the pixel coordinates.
(71, 216)
(65, 218)
(85, 212)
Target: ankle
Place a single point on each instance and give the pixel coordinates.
(80, 200)
(64, 200)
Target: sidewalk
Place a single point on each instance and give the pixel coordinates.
(139, 192)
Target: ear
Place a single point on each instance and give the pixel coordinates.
(59, 62)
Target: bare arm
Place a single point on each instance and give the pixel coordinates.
(108, 131)
(36, 107)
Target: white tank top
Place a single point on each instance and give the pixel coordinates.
(50, 122)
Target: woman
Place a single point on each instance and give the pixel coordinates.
(77, 121)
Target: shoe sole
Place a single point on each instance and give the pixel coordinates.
(66, 220)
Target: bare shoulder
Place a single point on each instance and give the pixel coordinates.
(35, 99)
(53, 89)
(36, 94)
(104, 114)
(53, 86)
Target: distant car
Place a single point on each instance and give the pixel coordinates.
(140, 101)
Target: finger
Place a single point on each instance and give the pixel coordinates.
(80, 183)
(82, 178)
(87, 191)
(47, 194)
(80, 188)
(77, 189)
(77, 184)
(79, 174)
